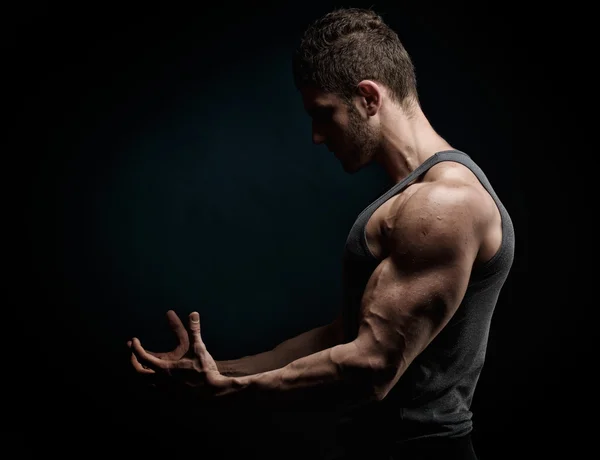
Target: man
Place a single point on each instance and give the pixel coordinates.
(423, 267)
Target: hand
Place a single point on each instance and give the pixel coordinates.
(196, 369)
(180, 350)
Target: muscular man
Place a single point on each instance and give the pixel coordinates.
(423, 267)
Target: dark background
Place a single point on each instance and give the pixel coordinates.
(166, 162)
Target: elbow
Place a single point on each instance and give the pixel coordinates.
(380, 392)
(371, 374)
(378, 377)
(383, 373)
(382, 381)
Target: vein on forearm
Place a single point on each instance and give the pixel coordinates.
(329, 379)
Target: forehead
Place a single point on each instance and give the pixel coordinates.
(314, 98)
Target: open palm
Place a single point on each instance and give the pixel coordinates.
(177, 353)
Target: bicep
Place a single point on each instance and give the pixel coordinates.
(414, 292)
(403, 310)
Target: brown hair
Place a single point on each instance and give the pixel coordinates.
(348, 45)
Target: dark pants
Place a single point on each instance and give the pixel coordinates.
(460, 448)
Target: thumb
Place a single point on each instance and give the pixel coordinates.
(195, 328)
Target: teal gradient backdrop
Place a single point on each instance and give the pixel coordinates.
(171, 167)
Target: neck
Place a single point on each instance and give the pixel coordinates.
(406, 143)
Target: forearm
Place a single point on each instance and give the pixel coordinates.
(331, 379)
(283, 354)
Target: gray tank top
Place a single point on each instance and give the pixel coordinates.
(433, 397)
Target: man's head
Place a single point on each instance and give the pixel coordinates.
(348, 62)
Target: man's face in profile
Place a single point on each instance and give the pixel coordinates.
(341, 128)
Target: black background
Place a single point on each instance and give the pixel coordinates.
(165, 162)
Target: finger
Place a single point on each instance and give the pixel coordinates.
(139, 367)
(199, 348)
(180, 331)
(197, 343)
(136, 364)
(152, 362)
(195, 326)
(161, 354)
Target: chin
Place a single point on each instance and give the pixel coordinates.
(351, 169)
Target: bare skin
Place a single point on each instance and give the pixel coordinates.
(428, 239)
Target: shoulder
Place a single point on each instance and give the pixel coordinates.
(440, 218)
(446, 200)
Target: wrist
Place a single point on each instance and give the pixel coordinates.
(227, 367)
(228, 389)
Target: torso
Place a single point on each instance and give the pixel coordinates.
(380, 220)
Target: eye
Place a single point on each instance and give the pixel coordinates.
(321, 113)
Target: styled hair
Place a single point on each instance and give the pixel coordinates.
(348, 45)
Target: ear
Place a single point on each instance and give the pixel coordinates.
(370, 94)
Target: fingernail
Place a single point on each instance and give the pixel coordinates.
(195, 317)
